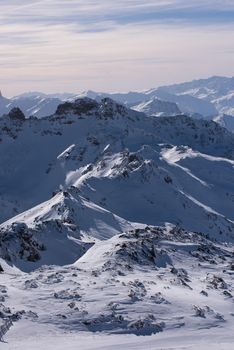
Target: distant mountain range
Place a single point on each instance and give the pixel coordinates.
(211, 99)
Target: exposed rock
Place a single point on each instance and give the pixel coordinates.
(16, 114)
(79, 107)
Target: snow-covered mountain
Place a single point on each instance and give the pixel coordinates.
(186, 104)
(204, 98)
(113, 149)
(217, 90)
(58, 231)
(157, 107)
(32, 105)
(117, 222)
(41, 105)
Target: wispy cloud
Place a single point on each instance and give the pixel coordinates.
(89, 12)
(100, 44)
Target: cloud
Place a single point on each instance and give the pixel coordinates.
(88, 12)
(105, 45)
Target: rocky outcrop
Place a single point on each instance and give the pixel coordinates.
(78, 107)
(16, 114)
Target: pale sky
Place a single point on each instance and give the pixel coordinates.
(105, 45)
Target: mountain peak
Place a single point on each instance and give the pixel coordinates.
(17, 114)
(78, 107)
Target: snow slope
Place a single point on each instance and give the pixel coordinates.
(160, 282)
(157, 107)
(57, 232)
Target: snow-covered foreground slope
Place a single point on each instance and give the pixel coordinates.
(174, 285)
(116, 225)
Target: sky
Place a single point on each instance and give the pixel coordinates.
(106, 45)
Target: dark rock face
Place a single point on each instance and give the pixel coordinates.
(109, 108)
(18, 241)
(79, 107)
(16, 114)
(105, 109)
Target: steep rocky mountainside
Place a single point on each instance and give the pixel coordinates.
(169, 166)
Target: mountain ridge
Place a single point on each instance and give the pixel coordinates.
(207, 98)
